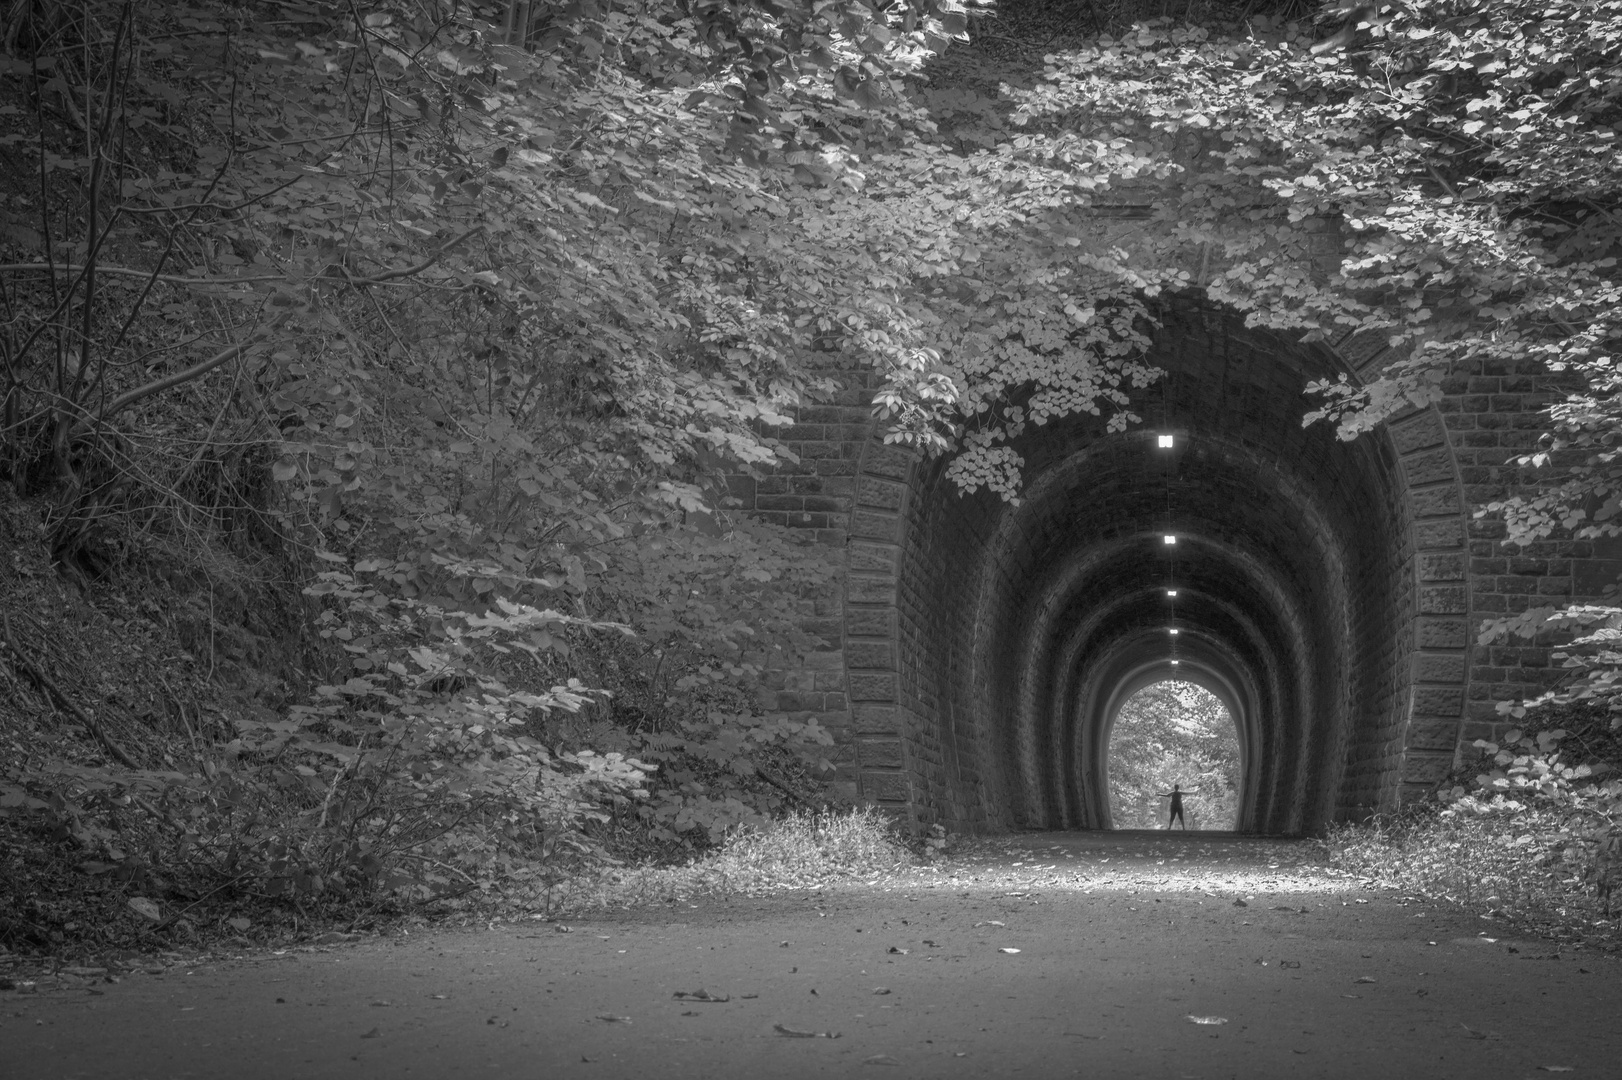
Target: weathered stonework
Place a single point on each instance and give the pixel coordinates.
(976, 651)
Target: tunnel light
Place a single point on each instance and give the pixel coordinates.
(1169, 538)
(1172, 630)
(1174, 663)
(1171, 592)
(1164, 441)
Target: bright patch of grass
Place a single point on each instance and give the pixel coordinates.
(812, 849)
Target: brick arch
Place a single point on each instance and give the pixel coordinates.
(947, 717)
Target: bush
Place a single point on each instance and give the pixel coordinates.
(804, 849)
(1529, 836)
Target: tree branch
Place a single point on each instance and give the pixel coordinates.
(157, 386)
(181, 279)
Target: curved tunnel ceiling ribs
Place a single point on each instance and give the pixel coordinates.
(1291, 568)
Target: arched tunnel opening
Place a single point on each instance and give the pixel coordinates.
(1023, 628)
(1174, 736)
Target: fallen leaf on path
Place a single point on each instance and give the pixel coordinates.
(881, 989)
(990, 922)
(240, 925)
(1079, 1035)
(1472, 1032)
(748, 997)
(612, 1019)
(898, 952)
(702, 995)
(1240, 903)
(561, 929)
(1207, 1019)
(373, 1034)
(440, 997)
(880, 1059)
(691, 1012)
(795, 1033)
(145, 908)
(1362, 979)
(1009, 951)
(1556, 1068)
(381, 1004)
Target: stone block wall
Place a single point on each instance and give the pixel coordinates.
(895, 682)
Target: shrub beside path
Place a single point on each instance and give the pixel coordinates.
(1104, 954)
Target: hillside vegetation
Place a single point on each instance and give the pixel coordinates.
(371, 374)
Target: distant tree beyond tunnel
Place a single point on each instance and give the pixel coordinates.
(1173, 733)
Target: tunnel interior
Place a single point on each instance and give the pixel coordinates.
(1024, 627)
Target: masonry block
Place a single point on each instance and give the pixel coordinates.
(870, 590)
(1423, 767)
(1418, 432)
(1439, 667)
(866, 686)
(875, 720)
(1443, 600)
(1435, 633)
(1428, 466)
(1448, 566)
(1438, 700)
(1433, 733)
(1435, 502)
(885, 787)
(1440, 533)
(888, 460)
(869, 622)
(870, 654)
(881, 494)
(880, 753)
(867, 556)
(872, 525)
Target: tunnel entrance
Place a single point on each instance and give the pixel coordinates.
(988, 646)
(1173, 733)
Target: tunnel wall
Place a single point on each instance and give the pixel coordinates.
(902, 677)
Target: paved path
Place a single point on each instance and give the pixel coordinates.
(1120, 938)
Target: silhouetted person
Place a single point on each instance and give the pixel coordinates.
(1176, 796)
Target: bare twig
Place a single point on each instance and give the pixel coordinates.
(157, 386)
(46, 683)
(182, 279)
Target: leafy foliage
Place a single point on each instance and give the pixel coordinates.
(1173, 733)
(1533, 835)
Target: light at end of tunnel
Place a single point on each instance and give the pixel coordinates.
(1164, 441)
(1169, 538)
(1172, 630)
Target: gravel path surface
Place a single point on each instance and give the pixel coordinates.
(1096, 954)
